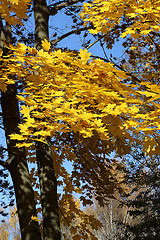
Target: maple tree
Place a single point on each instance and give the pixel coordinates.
(75, 105)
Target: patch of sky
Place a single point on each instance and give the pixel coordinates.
(61, 23)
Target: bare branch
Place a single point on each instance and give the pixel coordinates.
(75, 31)
(64, 217)
(53, 10)
(7, 163)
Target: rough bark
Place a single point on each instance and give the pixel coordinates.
(18, 168)
(17, 163)
(48, 183)
(48, 188)
(41, 17)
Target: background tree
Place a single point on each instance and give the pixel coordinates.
(143, 174)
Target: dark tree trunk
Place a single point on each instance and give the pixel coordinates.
(18, 168)
(48, 187)
(17, 163)
(41, 17)
(48, 183)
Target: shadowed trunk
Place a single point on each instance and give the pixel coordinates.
(48, 183)
(17, 163)
(48, 187)
(18, 168)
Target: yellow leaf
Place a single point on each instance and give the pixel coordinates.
(3, 87)
(84, 55)
(157, 96)
(30, 121)
(15, 2)
(21, 48)
(32, 50)
(16, 137)
(124, 34)
(25, 111)
(133, 47)
(121, 74)
(19, 145)
(46, 45)
(21, 98)
(23, 128)
(34, 218)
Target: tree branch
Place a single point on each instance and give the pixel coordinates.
(156, 45)
(75, 31)
(53, 10)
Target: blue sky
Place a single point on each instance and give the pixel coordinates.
(63, 23)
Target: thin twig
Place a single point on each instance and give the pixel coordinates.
(94, 42)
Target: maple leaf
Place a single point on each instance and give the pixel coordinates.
(16, 137)
(3, 87)
(27, 145)
(46, 45)
(84, 55)
(23, 128)
(25, 111)
(32, 50)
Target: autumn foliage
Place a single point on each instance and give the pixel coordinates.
(80, 99)
(74, 92)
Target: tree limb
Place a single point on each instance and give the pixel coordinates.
(75, 31)
(53, 10)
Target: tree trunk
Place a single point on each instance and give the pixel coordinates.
(48, 183)
(48, 187)
(41, 17)
(18, 168)
(17, 163)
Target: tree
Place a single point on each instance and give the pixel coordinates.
(72, 99)
(133, 214)
(143, 174)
